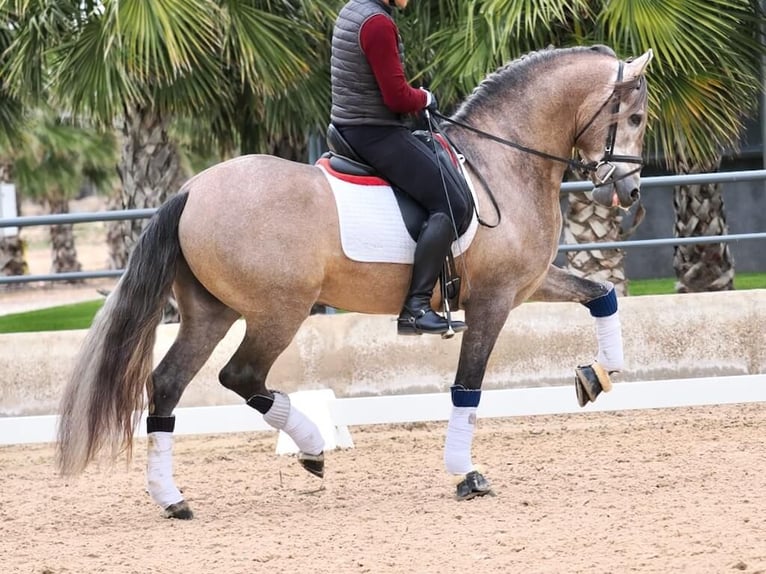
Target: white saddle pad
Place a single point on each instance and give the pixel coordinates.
(371, 226)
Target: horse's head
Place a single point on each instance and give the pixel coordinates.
(611, 137)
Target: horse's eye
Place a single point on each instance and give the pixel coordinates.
(636, 119)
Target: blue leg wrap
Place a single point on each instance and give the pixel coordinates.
(462, 397)
(603, 306)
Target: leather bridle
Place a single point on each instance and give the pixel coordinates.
(594, 167)
(611, 135)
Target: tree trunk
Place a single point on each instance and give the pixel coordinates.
(284, 148)
(150, 171)
(12, 258)
(63, 250)
(115, 233)
(589, 222)
(700, 212)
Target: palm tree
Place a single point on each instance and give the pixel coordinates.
(704, 88)
(54, 161)
(700, 211)
(12, 261)
(464, 40)
(158, 61)
(704, 80)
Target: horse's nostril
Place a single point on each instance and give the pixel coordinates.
(635, 194)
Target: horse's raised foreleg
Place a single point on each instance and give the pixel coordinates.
(486, 316)
(205, 322)
(246, 373)
(601, 301)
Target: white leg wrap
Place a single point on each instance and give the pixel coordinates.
(159, 469)
(285, 417)
(457, 448)
(609, 335)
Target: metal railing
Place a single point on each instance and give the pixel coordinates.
(566, 187)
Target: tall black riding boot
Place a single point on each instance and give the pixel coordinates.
(432, 248)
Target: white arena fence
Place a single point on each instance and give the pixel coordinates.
(334, 415)
(647, 182)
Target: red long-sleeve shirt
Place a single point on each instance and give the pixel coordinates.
(378, 39)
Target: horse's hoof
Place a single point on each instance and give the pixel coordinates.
(473, 484)
(314, 463)
(179, 510)
(590, 381)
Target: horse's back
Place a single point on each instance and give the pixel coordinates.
(253, 179)
(257, 220)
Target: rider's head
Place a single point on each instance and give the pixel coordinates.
(401, 4)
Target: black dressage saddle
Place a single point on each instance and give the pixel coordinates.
(344, 159)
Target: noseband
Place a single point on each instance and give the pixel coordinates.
(590, 167)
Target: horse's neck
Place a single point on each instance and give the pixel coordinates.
(541, 115)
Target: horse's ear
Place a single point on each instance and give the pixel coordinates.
(637, 66)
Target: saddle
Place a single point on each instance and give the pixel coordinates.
(343, 159)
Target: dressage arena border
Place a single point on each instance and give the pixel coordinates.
(334, 415)
(349, 369)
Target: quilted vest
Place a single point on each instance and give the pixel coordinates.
(356, 98)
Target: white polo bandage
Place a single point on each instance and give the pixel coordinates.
(159, 469)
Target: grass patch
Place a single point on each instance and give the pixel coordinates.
(667, 285)
(80, 315)
(662, 286)
(61, 318)
(750, 281)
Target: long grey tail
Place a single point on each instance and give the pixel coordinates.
(105, 394)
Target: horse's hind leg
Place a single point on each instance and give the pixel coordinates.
(246, 373)
(601, 301)
(205, 321)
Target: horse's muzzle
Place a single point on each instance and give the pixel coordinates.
(620, 192)
(627, 190)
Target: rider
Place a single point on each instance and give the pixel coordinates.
(370, 95)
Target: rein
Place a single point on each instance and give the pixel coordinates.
(574, 164)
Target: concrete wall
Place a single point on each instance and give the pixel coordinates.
(672, 336)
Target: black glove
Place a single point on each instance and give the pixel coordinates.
(431, 104)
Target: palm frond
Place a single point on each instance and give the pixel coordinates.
(165, 39)
(56, 155)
